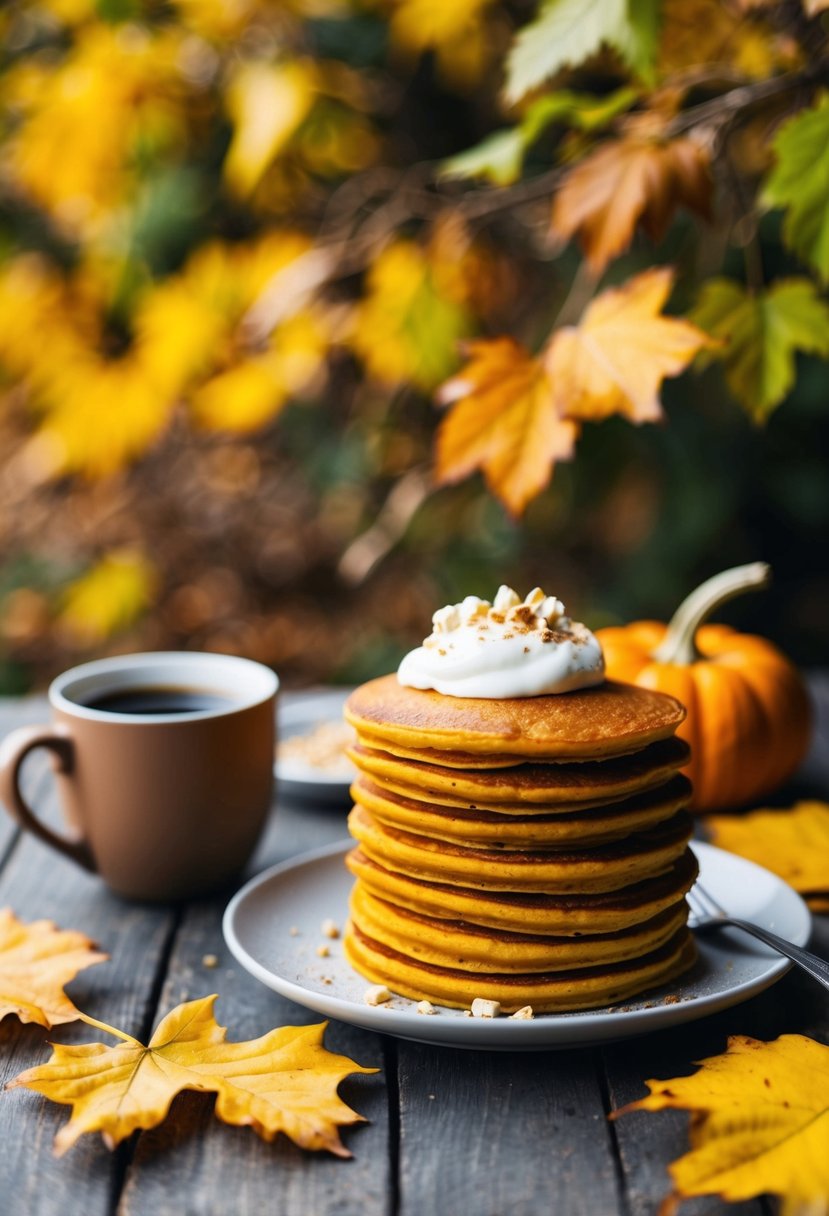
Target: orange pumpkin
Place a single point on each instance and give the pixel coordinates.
(749, 714)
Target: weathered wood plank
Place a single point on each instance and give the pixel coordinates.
(36, 882)
(222, 1169)
(498, 1132)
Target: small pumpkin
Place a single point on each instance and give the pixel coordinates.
(749, 714)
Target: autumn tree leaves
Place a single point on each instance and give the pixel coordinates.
(669, 146)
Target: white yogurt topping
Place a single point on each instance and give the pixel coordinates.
(507, 648)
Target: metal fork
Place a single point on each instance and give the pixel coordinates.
(707, 914)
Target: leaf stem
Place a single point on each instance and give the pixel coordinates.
(678, 645)
(118, 1034)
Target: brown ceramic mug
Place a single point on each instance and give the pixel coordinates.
(164, 765)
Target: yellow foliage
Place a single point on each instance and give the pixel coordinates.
(266, 103)
(793, 843)
(457, 33)
(36, 960)
(108, 598)
(412, 315)
(196, 322)
(760, 1123)
(80, 123)
(700, 32)
(285, 1081)
(99, 412)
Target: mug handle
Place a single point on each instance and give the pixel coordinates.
(13, 751)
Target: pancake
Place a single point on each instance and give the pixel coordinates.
(610, 719)
(604, 868)
(559, 915)
(593, 782)
(471, 948)
(491, 828)
(547, 992)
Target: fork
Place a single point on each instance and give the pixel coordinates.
(707, 914)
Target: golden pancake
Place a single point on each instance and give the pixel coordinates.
(489, 827)
(554, 915)
(431, 755)
(470, 948)
(554, 992)
(604, 868)
(611, 719)
(591, 782)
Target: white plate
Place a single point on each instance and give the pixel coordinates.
(272, 927)
(303, 781)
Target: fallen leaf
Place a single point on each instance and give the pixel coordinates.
(800, 183)
(760, 1124)
(36, 960)
(503, 421)
(615, 360)
(760, 334)
(639, 179)
(793, 843)
(284, 1081)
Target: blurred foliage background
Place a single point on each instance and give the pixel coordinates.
(242, 243)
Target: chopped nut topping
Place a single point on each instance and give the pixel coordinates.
(482, 1008)
(323, 952)
(210, 960)
(425, 1007)
(525, 1013)
(378, 994)
(330, 928)
(294, 932)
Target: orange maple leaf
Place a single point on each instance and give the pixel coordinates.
(639, 179)
(503, 421)
(36, 960)
(615, 359)
(285, 1081)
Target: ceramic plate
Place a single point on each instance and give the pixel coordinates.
(272, 927)
(297, 779)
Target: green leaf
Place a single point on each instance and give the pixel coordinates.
(499, 158)
(570, 31)
(800, 183)
(761, 334)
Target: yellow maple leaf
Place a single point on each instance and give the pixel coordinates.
(504, 422)
(760, 1123)
(285, 1081)
(36, 960)
(615, 359)
(639, 179)
(793, 843)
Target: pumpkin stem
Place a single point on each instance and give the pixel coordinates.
(678, 644)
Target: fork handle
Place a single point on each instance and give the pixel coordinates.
(818, 968)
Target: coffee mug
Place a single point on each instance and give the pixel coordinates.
(164, 766)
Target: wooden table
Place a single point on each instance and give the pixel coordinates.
(450, 1132)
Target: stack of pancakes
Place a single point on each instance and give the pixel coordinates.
(528, 850)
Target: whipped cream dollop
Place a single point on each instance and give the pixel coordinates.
(507, 648)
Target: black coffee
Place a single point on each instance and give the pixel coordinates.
(159, 699)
